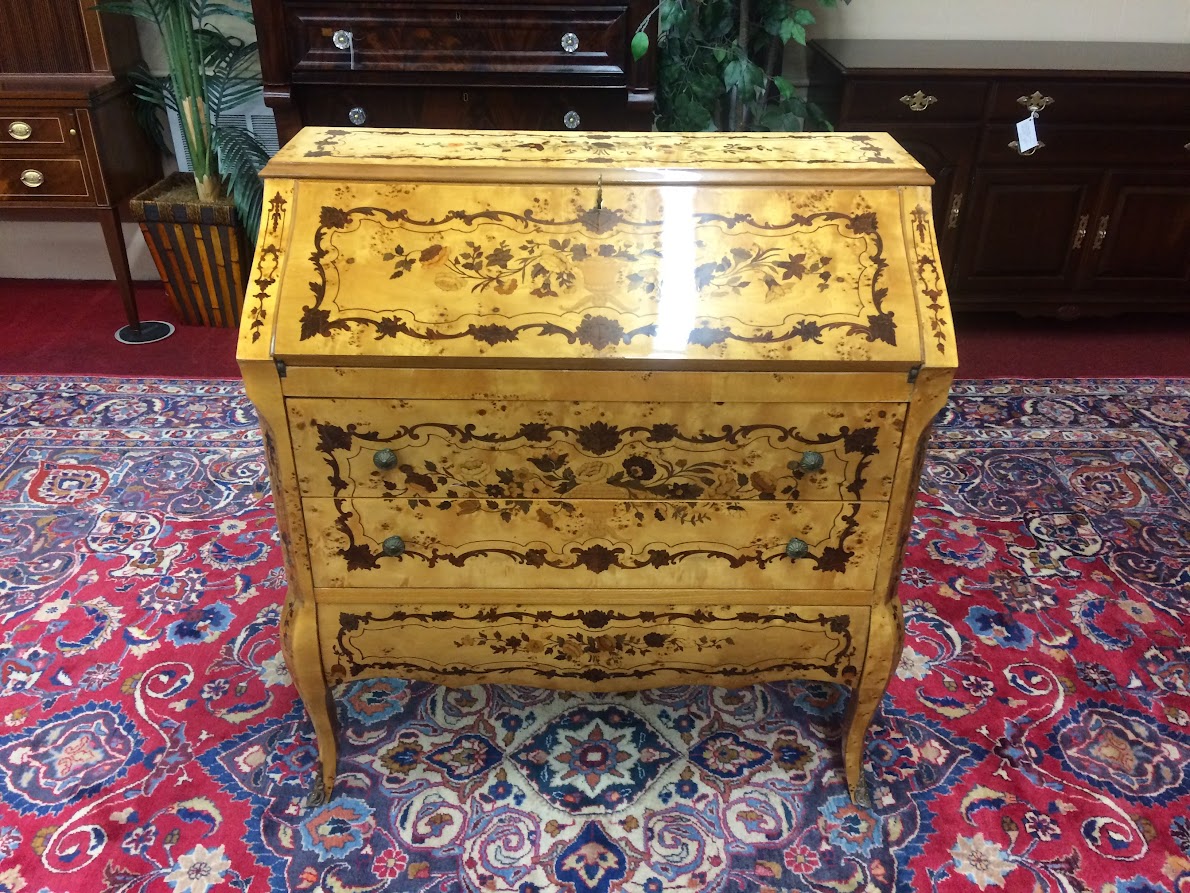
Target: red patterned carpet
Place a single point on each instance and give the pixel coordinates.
(1036, 737)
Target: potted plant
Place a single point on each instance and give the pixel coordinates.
(200, 226)
(720, 62)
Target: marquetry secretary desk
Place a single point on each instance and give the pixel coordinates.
(597, 411)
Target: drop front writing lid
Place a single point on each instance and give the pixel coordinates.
(600, 251)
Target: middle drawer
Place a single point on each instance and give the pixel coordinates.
(509, 449)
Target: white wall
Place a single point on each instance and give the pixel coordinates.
(77, 251)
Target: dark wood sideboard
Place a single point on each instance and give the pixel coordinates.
(1096, 220)
(70, 146)
(496, 64)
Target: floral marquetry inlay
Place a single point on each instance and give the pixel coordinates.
(558, 273)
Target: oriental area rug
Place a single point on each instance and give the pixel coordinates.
(1036, 736)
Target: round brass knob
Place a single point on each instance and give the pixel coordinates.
(571, 120)
(393, 547)
(341, 39)
(384, 459)
(796, 548)
(19, 130)
(811, 461)
(32, 178)
(569, 42)
(357, 116)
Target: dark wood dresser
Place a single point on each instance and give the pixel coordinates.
(497, 64)
(1094, 220)
(70, 146)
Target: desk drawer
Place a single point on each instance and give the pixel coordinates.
(31, 179)
(1070, 144)
(588, 544)
(615, 649)
(411, 38)
(453, 449)
(47, 130)
(881, 99)
(1098, 102)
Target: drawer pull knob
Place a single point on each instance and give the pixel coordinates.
(32, 178)
(385, 459)
(357, 116)
(571, 120)
(393, 547)
(919, 101)
(796, 548)
(19, 130)
(341, 39)
(1035, 103)
(811, 461)
(569, 42)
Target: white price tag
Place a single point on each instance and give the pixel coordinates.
(1026, 134)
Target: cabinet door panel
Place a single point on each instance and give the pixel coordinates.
(1022, 231)
(1145, 248)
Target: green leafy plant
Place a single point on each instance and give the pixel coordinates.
(719, 65)
(210, 73)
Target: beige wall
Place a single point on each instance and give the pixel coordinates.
(77, 251)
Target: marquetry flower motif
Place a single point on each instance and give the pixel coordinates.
(599, 332)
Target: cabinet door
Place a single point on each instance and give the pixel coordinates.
(947, 153)
(1139, 244)
(1022, 236)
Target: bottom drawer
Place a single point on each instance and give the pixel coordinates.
(48, 178)
(617, 648)
(471, 108)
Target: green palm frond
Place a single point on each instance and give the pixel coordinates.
(241, 156)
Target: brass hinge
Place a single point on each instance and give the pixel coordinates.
(913, 374)
(281, 370)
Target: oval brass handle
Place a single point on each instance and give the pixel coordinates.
(393, 547)
(357, 116)
(1037, 102)
(384, 459)
(32, 178)
(341, 39)
(811, 461)
(569, 42)
(1017, 146)
(796, 548)
(571, 120)
(19, 130)
(919, 101)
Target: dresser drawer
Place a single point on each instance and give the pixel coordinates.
(883, 99)
(1070, 144)
(411, 38)
(613, 649)
(454, 449)
(469, 108)
(47, 130)
(595, 543)
(1098, 102)
(24, 179)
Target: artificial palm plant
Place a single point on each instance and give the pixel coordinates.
(209, 74)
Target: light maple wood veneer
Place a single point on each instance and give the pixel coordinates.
(650, 406)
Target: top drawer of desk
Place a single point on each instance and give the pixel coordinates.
(1102, 102)
(408, 37)
(48, 130)
(919, 99)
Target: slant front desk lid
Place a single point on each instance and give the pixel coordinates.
(596, 250)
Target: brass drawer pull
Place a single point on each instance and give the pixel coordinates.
(1017, 147)
(32, 178)
(956, 205)
(341, 39)
(919, 101)
(19, 130)
(571, 120)
(1035, 103)
(569, 42)
(797, 548)
(385, 459)
(811, 461)
(357, 115)
(393, 547)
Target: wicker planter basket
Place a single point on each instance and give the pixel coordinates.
(200, 250)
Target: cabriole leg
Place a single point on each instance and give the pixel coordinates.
(885, 636)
